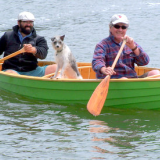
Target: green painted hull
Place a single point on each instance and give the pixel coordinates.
(133, 93)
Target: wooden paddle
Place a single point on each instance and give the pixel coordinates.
(12, 55)
(96, 102)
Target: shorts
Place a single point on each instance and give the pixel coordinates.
(38, 72)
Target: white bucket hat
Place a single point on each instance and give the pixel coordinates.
(26, 16)
(119, 18)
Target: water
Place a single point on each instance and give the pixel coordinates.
(44, 131)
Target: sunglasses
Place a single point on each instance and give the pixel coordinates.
(27, 22)
(117, 26)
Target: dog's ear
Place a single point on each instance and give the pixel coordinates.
(52, 39)
(62, 37)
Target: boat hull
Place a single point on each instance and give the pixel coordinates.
(142, 94)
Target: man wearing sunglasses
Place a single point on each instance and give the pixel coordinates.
(106, 51)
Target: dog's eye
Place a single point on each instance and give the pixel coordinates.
(55, 43)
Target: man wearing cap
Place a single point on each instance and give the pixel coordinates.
(106, 51)
(24, 35)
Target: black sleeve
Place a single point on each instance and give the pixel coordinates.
(42, 48)
(2, 44)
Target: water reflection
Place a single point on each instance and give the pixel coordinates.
(99, 127)
(32, 125)
(122, 132)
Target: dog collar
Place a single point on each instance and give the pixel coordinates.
(58, 52)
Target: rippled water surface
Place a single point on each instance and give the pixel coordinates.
(36, 130)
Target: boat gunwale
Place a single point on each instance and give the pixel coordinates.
(78, 80)
(81, 64)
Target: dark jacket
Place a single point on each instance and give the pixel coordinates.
(10, 43)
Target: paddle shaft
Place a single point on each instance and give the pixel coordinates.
(96, 102)
(12, 55)
(118, 55)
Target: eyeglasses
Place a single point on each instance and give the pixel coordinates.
(27, 22)
(118, 26)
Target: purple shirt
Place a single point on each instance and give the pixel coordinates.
(105, 53)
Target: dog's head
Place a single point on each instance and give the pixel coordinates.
(57, 42)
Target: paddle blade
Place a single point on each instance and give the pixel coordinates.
(96, 102)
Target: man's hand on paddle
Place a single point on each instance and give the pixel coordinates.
(107, 71)
(30, 49)
(129, 42)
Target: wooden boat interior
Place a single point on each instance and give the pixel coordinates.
(86, 70)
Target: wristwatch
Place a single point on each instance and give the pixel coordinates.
(134, 48)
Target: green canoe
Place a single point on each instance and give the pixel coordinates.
(123, 93)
